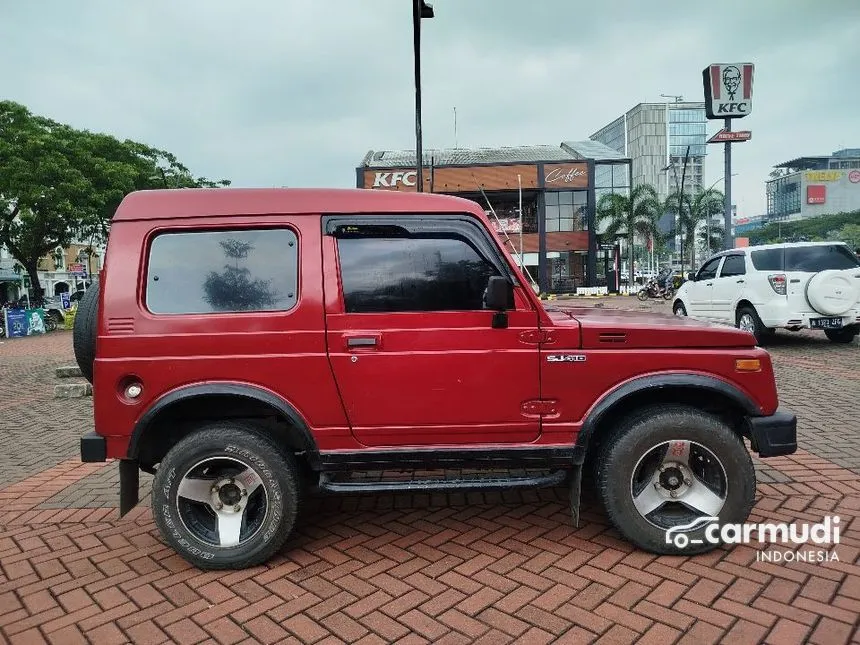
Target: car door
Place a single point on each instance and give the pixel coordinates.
(415, 354)
(728, 286)
(701, 289)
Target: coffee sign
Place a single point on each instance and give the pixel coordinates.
(566, 175)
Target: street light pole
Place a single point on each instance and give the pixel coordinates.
(420, 9)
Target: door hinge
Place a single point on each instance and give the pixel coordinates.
(539, 408)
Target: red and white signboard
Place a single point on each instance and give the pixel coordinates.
(854, 176)
(816, 194)
(735, 135)
(505, 224)
(728, 90)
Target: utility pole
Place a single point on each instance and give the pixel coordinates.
(727, 194)
(420, 9)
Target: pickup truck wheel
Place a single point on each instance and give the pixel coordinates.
(667, 472)
(225, 497)
(842, 336)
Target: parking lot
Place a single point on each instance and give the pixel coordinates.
(455, 568)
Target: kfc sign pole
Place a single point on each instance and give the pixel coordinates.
(728, 95)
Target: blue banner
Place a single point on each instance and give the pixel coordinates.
(24, 322)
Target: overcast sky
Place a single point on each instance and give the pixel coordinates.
(294, 92)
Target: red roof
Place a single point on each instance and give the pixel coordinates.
(213, 202)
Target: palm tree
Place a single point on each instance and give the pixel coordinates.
(692, 211)
(632, 215)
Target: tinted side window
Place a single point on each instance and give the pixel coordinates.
(767, 260)
(426, 273)
(709, 269)
(222, 271)
(734, 265)
(819, 258)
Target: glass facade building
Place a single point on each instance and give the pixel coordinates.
(656, 136)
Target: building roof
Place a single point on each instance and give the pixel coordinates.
(466, 156)
(567, 151)
(814, 161)
(592, 150)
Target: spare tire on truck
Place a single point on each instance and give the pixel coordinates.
(86, 327)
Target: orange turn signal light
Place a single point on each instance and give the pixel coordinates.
(748, 365)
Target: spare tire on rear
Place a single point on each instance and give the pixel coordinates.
(832, 292)
(86, 327)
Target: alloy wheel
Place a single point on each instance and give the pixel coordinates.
(221, 501)
(676, 482)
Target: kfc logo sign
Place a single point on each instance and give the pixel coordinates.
(393, 179)
(728, 90)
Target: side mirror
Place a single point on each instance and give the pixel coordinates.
(691, 276)
(500, 294)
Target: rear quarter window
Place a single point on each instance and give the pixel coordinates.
(810, 259)
(222, 272)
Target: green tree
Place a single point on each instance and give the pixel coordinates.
(692, 213)
(633, 215)
(849, 233)
(58, 183)
(811, 229)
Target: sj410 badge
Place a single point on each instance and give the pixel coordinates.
(565, 358)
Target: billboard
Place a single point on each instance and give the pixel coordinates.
(816, 194)
(728, 90)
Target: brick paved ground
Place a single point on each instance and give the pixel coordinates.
(451, 568)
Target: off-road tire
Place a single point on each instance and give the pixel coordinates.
(277, 470)
(842, 336)
(635, 436)
(85, 330)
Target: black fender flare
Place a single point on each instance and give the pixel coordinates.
(242, 390)
(656, 382)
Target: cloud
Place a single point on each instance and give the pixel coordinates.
(279, 92)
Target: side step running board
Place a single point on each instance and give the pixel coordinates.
(413, 485)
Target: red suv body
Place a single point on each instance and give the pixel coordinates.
(350, 330)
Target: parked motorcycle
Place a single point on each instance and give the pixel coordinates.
(655, 289)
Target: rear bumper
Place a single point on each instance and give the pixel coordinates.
(800, 320)
(93, 448)
(774, 435)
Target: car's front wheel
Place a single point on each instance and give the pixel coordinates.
(679, 309)
(842, 336)
(225, 497)
(668, 473)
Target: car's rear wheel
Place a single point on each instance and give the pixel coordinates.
(746, 319)
(225, 497)
(667, 472)
(842, 336)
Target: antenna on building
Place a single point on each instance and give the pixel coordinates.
(678, 98)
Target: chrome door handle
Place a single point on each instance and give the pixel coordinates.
(361, 342)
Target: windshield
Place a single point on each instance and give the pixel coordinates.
(805, 258)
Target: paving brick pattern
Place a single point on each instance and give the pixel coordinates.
(492, 568)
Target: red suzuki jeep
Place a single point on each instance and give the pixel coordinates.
(244, 344)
